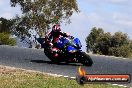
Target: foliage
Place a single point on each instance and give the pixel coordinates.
(103, 43)
(91, 40)
(119, 39)
(6, 40)
(100, 42)
(123, 51)
(5, 25)
(37, 13)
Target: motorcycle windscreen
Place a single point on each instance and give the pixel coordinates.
(77, 41)
(70, 49)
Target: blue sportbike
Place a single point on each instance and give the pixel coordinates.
(66, 49)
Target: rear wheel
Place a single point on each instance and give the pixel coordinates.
(50, 56)
(85, 59)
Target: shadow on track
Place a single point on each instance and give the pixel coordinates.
(50, 62)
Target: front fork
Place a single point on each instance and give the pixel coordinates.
(78, 55)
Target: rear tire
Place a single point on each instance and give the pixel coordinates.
(85, 59)
(53, 59)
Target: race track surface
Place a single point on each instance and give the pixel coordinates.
(33, 59)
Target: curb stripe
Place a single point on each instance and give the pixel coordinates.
(66, 76)
(107, 56)
(73, 77)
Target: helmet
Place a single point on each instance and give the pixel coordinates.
(56, 28)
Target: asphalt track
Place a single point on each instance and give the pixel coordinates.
(33, 59)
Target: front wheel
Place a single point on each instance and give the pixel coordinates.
(85, 59)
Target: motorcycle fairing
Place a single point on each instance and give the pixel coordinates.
(61, 42)
(71, 49)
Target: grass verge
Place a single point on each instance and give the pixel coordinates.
(17, 78)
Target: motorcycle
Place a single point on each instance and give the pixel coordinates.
(67, 49)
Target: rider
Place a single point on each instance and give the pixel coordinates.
(56, 33)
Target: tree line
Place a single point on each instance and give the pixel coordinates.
(37, 15)
(5, 32)
(104, 43)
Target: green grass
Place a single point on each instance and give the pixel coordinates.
(12, 78)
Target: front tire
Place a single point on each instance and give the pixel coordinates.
(85, 59)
